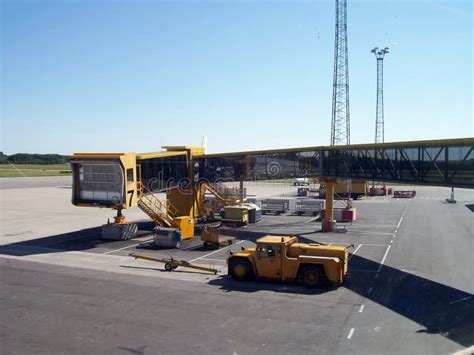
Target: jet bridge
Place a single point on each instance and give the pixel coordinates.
(448, 162)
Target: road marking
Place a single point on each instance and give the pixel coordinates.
(391, 241)
(376, 275)
(384, 257)
(351, 332)
(129, 246)
(370, 290)
(223, 260)
(363, 244)
(355, 251)
(361, 308)
(369, 233)
(375, 225)
(462, 299)
(216, 251)
(400, 221)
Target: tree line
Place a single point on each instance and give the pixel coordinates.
(26, 158)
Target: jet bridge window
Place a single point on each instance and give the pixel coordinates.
(130, 175)
(100, 182)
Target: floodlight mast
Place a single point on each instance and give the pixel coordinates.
(379, 114)
(340, 120)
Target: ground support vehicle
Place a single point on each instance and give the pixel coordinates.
(172, 264)
(404, 194)
(285, 259)
(303, 191)
(235, 216)
(308, 206)
(211, 238)
(277, 206)
(346, 188)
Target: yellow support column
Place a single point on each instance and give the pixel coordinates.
(329, 223)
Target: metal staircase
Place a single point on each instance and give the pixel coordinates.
(161, 212)
(225, 195)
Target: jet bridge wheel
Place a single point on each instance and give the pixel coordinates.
(312, 276)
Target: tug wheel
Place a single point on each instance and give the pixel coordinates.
(241, 270)
(312, 276)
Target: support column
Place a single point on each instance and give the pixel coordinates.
(241, 191)
(329, 223)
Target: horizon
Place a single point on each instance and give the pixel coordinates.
(122, 76)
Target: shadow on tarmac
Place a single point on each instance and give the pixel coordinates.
(84, 239)
(439, 308)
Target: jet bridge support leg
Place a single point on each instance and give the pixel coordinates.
(329, 223)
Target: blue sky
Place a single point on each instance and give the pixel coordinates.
(136, 75)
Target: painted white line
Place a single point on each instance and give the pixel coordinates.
(369, 233)
(351, 332)
(355, 226)
(363, 244)
(391, 241)
(355, 251)
(128, 246)
(384, 257)
(216, 251)
(400, 221)
(337, 243)
(376, 275)
(223, 260)
(361, 308)
(462, 299)
(370, 290)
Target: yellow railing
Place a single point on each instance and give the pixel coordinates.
(162, 212)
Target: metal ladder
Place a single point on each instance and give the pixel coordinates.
(218, 190)
(160, 212)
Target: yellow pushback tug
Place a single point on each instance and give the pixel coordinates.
(285, 259)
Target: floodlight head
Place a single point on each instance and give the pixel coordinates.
(374, 50)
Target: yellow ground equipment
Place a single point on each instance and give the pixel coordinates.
(285, 259)
(211, 238)
(346, 188)
(236, 216)
(171, 263)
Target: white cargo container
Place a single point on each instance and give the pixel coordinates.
(274, 205)
(309, 206)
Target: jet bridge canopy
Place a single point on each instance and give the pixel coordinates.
(437, 162)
